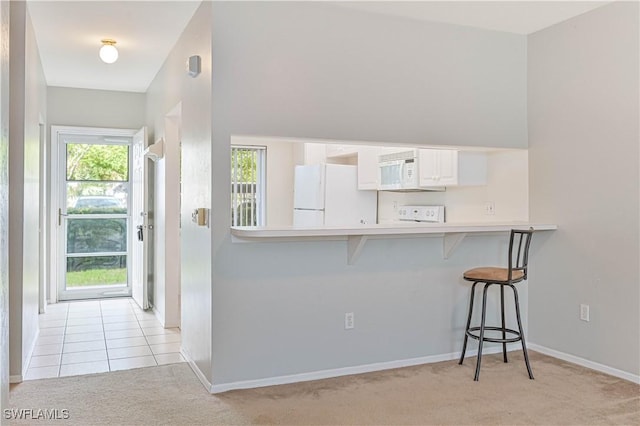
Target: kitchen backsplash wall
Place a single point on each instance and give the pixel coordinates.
(507, 188)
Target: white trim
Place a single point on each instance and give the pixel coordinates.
(197, 371)
(158, 315)
(25, 365)
(43, 219)
(56, 164)
(585, 363)
(169, 230)
(359, 369)
(20, 378)
(163, 318)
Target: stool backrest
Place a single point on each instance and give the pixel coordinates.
(519, 242)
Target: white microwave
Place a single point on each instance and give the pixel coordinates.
(398, 171)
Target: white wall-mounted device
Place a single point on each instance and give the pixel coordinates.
(155, 151)
(193, 65)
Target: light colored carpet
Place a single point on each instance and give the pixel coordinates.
(441, 393)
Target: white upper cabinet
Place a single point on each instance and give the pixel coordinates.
(368, 167)
(339, 150)
(309, 154)
(438, 167)
(447, 167)
(363, 156)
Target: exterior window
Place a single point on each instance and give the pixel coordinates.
(248, 183)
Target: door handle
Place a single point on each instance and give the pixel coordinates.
(60, 214)
(140, 233)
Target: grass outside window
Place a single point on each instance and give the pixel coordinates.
(97, 277)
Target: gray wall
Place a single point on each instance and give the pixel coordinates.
(313, 70)
(4, 205)
(171, 87)
(28, 106)
(95, 108)
(584, 162)
(68, 106)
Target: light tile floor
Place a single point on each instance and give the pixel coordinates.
(98, 336)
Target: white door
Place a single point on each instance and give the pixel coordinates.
(308, 190)
(92, 213)
(341, 183)
(438, 167)
(345, 205)
(428, 173)
(139, 234)
(448, 167)
(308, 218)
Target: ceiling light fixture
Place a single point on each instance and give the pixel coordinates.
(108, 51)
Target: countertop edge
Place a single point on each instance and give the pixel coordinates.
(385, 229)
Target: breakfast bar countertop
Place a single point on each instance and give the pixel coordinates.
(356, 237)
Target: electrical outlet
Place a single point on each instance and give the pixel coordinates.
(349, 321)
(490, 208)
(584, 312)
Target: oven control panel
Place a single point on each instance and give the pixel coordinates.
(433, 214)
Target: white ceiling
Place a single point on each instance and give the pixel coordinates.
(519, 17)
(68, 33)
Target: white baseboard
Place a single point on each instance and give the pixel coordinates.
(20, 378)
(368, 368)
(30, 354)
(158, 315)
(585, 363)
(205, 382)
(359, 369)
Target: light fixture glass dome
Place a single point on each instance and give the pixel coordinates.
(108, 51)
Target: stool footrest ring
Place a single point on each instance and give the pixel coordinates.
(518, 337)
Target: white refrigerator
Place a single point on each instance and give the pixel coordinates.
(328, 195)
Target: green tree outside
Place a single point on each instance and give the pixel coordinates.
(244, 174)
(93, 168)
(97, 162)
(247, 167)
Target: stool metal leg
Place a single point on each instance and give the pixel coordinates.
(524, 345)
(481, 336)
(466, 330)
(504, 333)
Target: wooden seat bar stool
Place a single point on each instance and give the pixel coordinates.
(516, 272)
